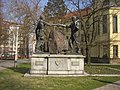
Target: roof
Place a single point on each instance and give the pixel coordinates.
(83, 12)
(9, 23)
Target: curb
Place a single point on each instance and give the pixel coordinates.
(79, 75)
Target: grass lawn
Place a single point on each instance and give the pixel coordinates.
(12, 79)
(102, 69)
(114, 66)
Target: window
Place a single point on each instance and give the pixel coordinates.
(99, 50)
(106, 3)
(105, 51)
(115, 27)
(98, 27)
(115, 51)
(104, 24)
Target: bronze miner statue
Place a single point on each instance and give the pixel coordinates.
(74, 37)
(73, 43)
(39, 48)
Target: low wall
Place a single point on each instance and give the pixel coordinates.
(104, 60)
(115, 60)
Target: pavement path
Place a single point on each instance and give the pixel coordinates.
(6, 64)
(10, 63)
(113, 86)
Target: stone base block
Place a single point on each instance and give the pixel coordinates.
(57, 64)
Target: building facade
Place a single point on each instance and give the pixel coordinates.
(15, 39)
(107, 42)
(9, 42)
(107, 48)
(103, 31)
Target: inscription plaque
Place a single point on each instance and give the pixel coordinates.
(39, 63)
(75, 63)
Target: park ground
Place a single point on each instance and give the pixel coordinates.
(13, 78)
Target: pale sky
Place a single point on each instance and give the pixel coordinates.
(43, 3)
(6, 3)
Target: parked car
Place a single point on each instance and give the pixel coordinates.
(9, 55)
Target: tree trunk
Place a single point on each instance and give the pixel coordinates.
(88, 55)
(27, 46)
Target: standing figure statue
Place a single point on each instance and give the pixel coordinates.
(74, 37)
(40, 35)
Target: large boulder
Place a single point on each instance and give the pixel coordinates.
(57, 42)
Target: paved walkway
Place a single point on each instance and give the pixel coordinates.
(10, 63)
(6, 64)
(113, 86)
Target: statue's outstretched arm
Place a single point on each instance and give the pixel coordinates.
(62, 25)
(49, 24)
(46, 23)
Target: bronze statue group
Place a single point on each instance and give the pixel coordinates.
(73, 40)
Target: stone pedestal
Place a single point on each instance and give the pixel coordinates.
(57, 64)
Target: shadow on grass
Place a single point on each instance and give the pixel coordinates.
(107, 82)
(21, 68)
(103, 81)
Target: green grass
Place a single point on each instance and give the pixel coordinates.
(114, 66)
(12, 79)
(102, 69)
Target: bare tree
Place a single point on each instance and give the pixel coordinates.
(27, 13)
(1, 20)
(3, 28)
(90, 12)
